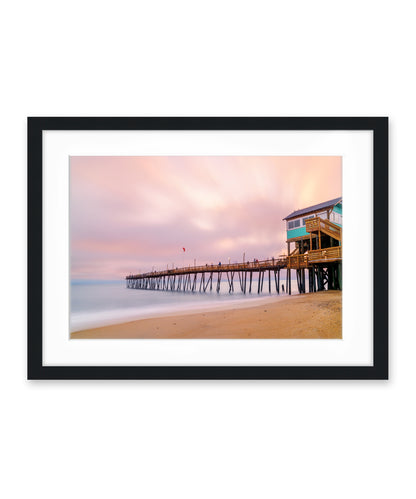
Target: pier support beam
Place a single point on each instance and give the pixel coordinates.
(219, 282)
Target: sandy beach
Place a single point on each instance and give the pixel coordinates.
(312, 315)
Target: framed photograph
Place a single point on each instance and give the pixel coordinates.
(208, 248)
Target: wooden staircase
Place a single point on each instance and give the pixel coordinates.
(318, 224)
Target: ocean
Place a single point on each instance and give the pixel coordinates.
(100, 303)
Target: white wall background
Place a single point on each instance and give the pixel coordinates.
(205, 439)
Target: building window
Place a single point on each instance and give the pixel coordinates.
(293, 224)
(336, 218)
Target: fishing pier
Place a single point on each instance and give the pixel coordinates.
(316, 233)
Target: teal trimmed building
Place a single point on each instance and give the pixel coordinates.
(297, 225)
(316, 234)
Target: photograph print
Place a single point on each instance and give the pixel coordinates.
(205, 247)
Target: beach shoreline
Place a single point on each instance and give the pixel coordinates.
(312, 315)
(168, 311)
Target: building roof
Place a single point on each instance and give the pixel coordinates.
(316, 207)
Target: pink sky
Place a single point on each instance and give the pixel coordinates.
(130, 214)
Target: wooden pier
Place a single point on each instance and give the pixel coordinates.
(322, 266)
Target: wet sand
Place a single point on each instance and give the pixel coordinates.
(312, 315)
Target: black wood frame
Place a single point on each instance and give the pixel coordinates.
(379, 369)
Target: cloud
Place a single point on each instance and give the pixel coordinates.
(131, 213)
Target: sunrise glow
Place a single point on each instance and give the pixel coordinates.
(133, 214)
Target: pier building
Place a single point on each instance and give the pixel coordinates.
(314, 239)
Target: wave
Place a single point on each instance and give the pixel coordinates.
(98, 318)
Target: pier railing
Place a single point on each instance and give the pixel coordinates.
(298, 261)
(325, 255)
(271, 264)
(294, 261)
